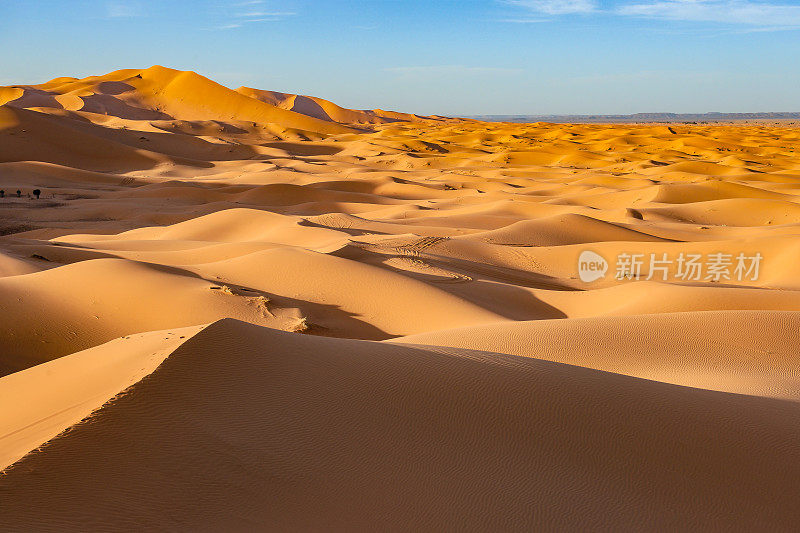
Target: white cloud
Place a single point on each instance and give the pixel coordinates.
(742, 12)
(557, 7)
(266, 14)
(758, 15)
(241, 18)
(524, 20)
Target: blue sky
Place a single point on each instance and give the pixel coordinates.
(462, 57)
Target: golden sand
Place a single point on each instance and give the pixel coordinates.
(243, 309)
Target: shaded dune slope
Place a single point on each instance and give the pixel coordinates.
(341, 434)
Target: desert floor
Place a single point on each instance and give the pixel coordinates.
(239, 310)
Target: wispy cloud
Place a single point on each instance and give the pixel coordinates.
(265, 14)
(556, 7)
(748, 15)
(122, 10)
(250, 13)
(524, 20)
(740, 12)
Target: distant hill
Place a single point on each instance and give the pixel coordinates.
(326, 110)
(643, 117)
(164, 94)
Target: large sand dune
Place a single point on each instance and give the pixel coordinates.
(246, 427)
(247, 309)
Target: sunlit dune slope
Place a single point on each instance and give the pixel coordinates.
(747, 352)
(325, 109)
(160, 93)
(49, 314)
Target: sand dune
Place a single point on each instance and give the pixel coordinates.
(158, 93)
(325, 109)
(59, 311)
(248, 309)
(718, 350)
(52, 397)
(561, 230)
(341, 434)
